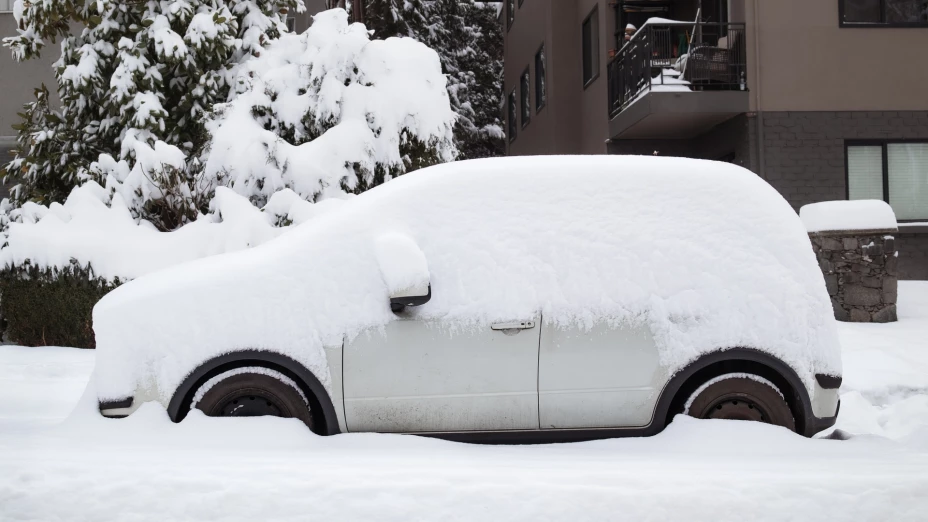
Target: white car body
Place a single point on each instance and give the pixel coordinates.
(571, 298)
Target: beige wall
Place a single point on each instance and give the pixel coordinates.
(530, 29)
(575, 118)
(593, 104)
(809, 63)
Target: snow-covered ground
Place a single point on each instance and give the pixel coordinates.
(56, 466)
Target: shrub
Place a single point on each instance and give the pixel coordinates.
(50, 306)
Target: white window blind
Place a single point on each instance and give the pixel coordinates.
(908, 179)
(865, 172)
(6, 6)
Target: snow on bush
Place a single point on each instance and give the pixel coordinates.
(96, 229)
(313, 116)
(706, 254)
(863, 214)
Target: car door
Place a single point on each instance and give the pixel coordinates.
(604, 376)
(421, 376)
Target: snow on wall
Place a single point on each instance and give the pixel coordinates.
(706, 253)
(861, 214)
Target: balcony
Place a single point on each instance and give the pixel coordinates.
(676, 80)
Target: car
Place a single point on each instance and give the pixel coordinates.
(524, 299)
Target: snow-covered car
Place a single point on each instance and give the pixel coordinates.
(523, 299)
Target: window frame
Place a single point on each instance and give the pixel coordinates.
(512, 128)
(8, 10)
(510, 14)
(884, 144)
(544, 67)
(594, 47)
(525, 94)
(888, 25)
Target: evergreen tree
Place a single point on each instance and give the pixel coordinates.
(466, 35)
(138, 73)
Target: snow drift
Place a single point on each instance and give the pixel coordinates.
(705, 253)
(96, 229)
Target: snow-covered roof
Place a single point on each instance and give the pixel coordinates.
(705, 253)
(863, 214)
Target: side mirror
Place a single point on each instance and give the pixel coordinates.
(404, 270)
(415, 297)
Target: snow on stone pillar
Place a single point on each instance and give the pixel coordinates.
(854, 242)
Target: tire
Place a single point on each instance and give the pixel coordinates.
(739, 396)
(253, 392)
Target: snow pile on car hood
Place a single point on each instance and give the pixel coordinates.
(707, 254)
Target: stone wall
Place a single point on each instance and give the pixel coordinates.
(861, 273)
(804, 151)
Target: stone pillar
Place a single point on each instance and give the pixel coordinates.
(860, 273)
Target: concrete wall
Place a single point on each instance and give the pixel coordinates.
(729, 141)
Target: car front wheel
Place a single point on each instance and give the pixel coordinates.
(740, 396)
(253, 392)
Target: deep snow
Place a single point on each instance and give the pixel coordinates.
(145, 468)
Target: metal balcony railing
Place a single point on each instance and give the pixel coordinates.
(677, 56)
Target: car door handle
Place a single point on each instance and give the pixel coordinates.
(513, 325)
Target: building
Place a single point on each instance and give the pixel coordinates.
(824, 99)
(19, 80)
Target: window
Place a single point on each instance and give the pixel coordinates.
(889, 13)
(510, 13)
(896, 172)
(541, 95)
(6, 6)
(291, 24)
(590, 35)
(525, 86)
(513, 115)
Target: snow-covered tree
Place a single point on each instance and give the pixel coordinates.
(164, 102)
(325, 112)
(137, 74)
(466, 35)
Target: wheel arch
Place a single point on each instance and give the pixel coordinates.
(319, 398)
(736, 360)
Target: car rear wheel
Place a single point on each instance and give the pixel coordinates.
(253, 392)
(740, 396)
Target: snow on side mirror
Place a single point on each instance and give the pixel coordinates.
(404, 270)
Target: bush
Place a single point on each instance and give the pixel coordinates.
(42, 306)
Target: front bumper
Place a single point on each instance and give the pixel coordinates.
(117, 409)
(820, 424)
